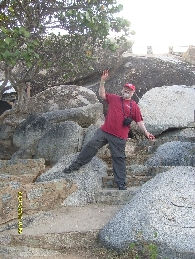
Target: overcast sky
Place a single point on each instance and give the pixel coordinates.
(157, 22)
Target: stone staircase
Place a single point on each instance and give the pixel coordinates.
(136, 176)
(52, 233)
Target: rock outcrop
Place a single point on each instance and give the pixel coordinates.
(63, 139)
(36, 197)
(168, 107)
(84, 116)
(52, 99)
(19, 176)
(48, 109)
(60, 98)
(88, 179)
(162, 212)
(174, 153)
(57, 122)
(30, 131)
(145, 73)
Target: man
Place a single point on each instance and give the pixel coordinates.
(121, 111)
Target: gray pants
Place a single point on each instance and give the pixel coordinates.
(117, 148)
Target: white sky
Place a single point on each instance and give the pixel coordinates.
(161, 22)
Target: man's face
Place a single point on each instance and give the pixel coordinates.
(127, 93)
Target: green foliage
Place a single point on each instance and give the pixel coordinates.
(141, 251)
(149, 251)
(15, 46)
(27, 44)
(153, 251)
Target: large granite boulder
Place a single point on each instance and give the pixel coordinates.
(161, 212)
(88, 179)
(144, 72)
(6, 143)
(84, 116)
(168, 107)
(52, 99)
(174, 153)
(6, 131)
(54, 105)
(187, 134)
(7, 149)
(30, 131)
(60, 98)
(24, 153)
(63, 139)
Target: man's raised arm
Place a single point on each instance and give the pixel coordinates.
(102, 91)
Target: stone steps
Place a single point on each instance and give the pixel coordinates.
(145, 170)
(64, 228)
(112, 196)
(131, 181)
(46, 233)
(136, 175)
(19, 252)
(132, 159)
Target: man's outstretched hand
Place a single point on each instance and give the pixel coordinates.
(149, 135)
(104, 75)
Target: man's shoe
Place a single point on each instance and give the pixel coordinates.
(122, 187)
(67, 170)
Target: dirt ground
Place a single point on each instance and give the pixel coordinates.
(90, 254)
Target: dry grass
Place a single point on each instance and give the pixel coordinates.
(103, 253)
